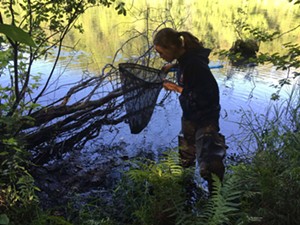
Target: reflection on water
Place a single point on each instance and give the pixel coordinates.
(240, 89)
(247, 88)
(213, 22)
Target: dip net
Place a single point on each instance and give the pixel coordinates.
(141, 86)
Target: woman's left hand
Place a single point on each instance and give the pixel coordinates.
(171, 86)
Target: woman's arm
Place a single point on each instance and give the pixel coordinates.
(169, 85)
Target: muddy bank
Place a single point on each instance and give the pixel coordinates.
(80, 175)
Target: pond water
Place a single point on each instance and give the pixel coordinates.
(216, 24)
(96, 169)
(241, 90)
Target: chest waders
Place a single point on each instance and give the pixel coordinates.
(205, 145)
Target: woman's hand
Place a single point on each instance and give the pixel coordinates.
(171, 86)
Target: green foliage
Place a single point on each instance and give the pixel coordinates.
(158, 193)
(271, 180)
(153, 193)
(264, 190)
(223, 206)
(45, 219)
(4, 219)
(43, 25)
(17, 185)
(93, 210)
(121, 8)
(16, 34)
(245, 31)
(23, 25)
(288, 60)
(272, 183)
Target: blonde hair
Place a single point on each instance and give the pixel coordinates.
(168, 37)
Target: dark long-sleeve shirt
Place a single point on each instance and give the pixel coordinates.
(200, 96)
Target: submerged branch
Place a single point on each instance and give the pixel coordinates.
(69, 122)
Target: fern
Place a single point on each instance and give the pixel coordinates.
(223, 204)
(154, 192)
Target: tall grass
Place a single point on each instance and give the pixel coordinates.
(270, 180)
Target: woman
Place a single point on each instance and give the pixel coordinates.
(199, 100)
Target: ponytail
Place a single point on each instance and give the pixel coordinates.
(190, 41)
(168, 37)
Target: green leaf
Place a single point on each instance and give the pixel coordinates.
(3, 153)
(4, 219)
(16, 34)
(4, 58)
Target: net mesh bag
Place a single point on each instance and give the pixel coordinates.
(141, 86)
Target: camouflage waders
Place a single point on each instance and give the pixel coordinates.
(204, 144)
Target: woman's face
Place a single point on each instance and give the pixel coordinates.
(167, 54)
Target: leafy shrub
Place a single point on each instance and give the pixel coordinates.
(271, 180)
(17, 185)
(152, 193)
(162, 193)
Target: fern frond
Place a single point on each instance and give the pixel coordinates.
(223, 203)
(172, 162)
